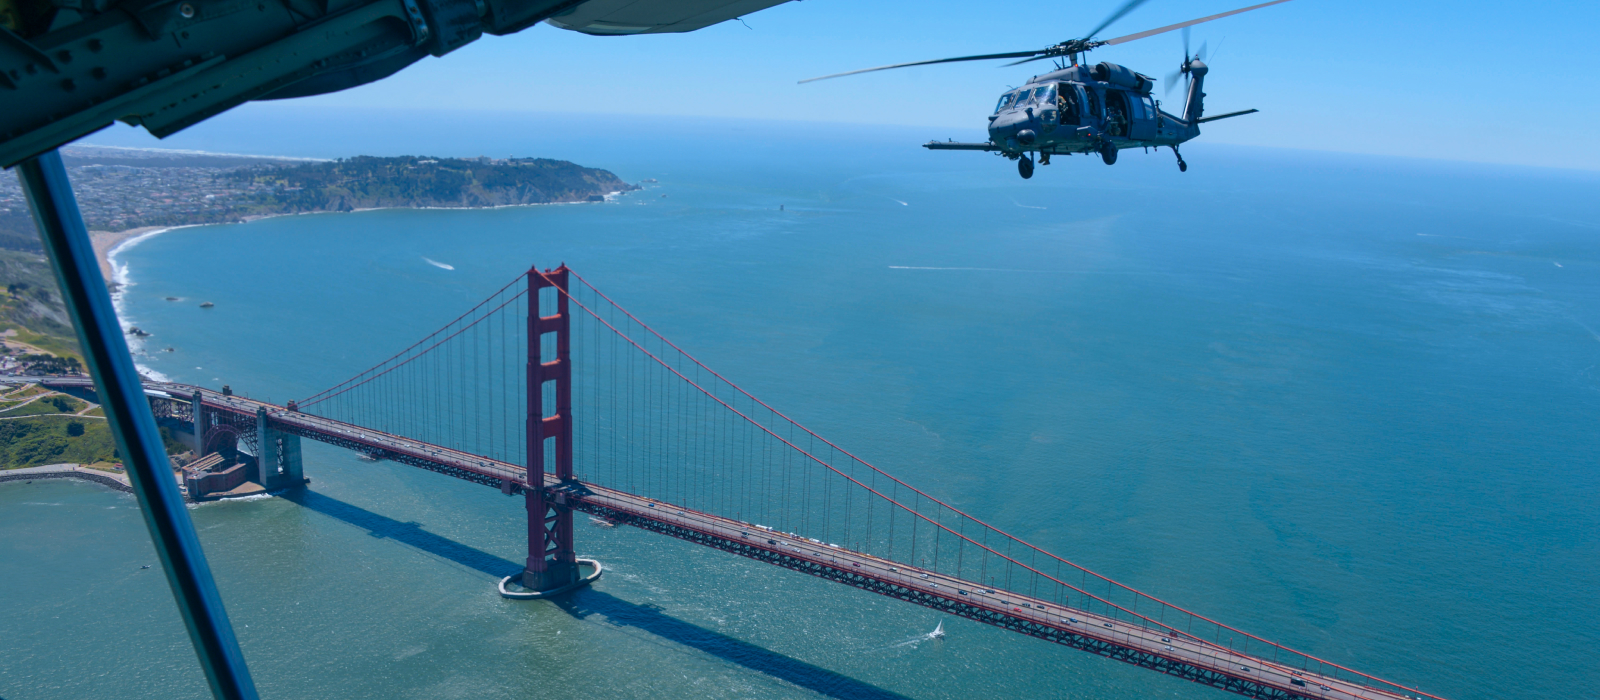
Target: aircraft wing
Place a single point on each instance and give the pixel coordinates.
(69, 68)
(958, 146)
(621, 17)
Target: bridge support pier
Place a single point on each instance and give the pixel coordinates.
(278, 466)
(552, 562)
(197, 410)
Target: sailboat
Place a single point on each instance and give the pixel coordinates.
(938, 632)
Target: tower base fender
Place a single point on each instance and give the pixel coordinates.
(581, 581)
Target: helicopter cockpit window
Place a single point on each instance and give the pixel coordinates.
(1005, 100)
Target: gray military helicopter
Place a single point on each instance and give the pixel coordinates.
(1076, 108)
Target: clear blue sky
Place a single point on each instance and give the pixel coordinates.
(1461, 79)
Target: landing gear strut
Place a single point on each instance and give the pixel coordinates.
(1182, 166)
(1108, 152)
(1025, 166)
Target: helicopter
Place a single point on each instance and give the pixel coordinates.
(1077, 108)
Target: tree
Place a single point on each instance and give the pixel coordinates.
(75, 429)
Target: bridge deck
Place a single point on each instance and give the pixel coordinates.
(1175, 654)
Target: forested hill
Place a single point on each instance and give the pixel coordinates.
(367, 182)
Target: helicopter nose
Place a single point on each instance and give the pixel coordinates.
(1026, 137)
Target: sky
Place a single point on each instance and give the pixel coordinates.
(1473, 80)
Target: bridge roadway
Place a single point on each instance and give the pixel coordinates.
(1157, 649)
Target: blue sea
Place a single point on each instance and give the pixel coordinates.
(1345, 402)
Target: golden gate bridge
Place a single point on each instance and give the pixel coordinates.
(550, 390)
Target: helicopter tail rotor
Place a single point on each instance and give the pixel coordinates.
(1183, 69)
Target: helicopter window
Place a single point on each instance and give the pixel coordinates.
(1004, 101)
(1093, 105)
(1067, 104)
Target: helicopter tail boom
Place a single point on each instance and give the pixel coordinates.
(1195, 105)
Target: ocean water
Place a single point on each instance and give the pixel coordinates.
(1344, 402)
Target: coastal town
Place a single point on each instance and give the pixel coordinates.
(121, 189)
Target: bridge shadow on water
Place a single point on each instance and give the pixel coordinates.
(616, 611)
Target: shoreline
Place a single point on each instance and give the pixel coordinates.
(108, 243)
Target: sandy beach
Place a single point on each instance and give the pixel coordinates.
(104, 241)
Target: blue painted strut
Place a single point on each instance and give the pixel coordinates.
(55, 211)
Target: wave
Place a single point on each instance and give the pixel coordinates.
(124, 279)
(438, 264)
(235, 499)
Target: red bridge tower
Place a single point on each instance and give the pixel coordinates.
(552, 563)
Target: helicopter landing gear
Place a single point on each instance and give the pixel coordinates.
(1025, 166)
(1108, 152)
(1182, 166)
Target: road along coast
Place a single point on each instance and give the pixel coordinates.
(118, 482)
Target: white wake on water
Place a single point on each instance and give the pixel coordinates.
(937, 633)
(235, 499)
(438, 264)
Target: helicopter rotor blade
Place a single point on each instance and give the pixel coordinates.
(1185, 43)
(1172, 81)
(985, 57)
(1201, 54)
(1125, 9)
(1028, 60)
(1190, 23)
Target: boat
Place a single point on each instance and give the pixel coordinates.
(938, 632)
(206, 305)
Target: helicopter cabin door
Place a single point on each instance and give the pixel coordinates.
(1142, 117)
(1118, 111)
(1069, 104)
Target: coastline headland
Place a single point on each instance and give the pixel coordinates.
(128, 194)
